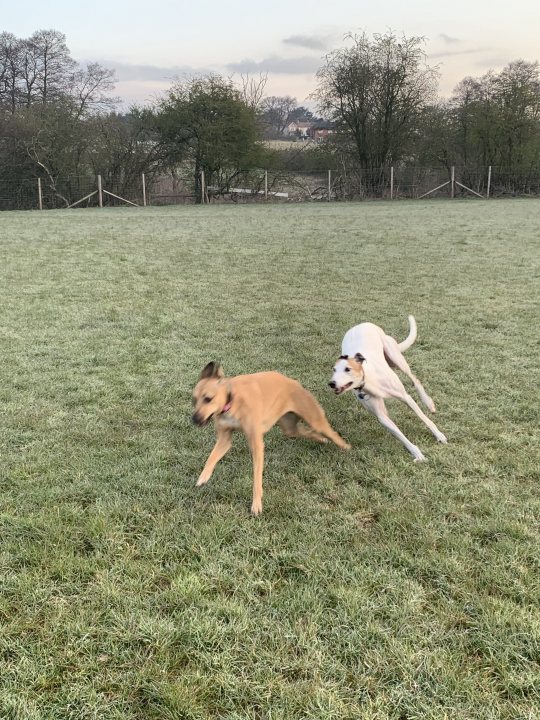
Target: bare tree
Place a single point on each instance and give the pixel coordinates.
(277, 111)
(89, 88)
(253, 90)
(50, 65)
(10, 70)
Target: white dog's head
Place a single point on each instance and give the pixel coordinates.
(348, 373)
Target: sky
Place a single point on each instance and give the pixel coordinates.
(150, 43)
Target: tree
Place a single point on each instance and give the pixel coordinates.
(48, 66)
(10, 70)
(375, 91)
(206, 122)
(495, 119)
(40, 70)
(277, 113)
(89, 88)
(253, 90)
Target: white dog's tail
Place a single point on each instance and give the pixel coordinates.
(411, 337)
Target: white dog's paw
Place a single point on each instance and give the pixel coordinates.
(441, 438)
(417, 454)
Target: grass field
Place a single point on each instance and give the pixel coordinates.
(371, 587)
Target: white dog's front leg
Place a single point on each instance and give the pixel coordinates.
(378, 408)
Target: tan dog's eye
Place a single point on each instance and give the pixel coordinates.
(207, 399)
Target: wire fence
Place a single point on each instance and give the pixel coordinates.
(268, 186)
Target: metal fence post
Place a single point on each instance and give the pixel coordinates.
(143, 190)
(100, 191)
(392, 183)
(266, 184)
(488, 183)
(40, 196)
(452, 182)
(329, 184)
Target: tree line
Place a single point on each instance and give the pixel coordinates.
(59, 122)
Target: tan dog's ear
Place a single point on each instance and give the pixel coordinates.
(212, 370)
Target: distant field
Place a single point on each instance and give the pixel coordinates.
(287, 144)
(371, 587)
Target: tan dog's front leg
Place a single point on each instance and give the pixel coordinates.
(257, 451)
(222, 446)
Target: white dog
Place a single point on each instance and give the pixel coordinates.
(366, 368)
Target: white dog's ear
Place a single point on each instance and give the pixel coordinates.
(212, 370)
(360, 358)
(343, 357)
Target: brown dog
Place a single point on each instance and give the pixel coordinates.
(254, 404)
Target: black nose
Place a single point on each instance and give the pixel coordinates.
(195, 419)
(332, 384)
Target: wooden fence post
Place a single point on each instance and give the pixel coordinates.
(329, 184)
(452, 182)
(40, 196)
(143, 190)
(100, 191)
(488, 182)
(392, 183)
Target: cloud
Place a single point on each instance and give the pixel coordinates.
(279, 65)
(126, 72)
(313, 42)
(448, 39)
(453, 53)
(493, 61)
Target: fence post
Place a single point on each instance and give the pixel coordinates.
(143, 190)
(100, 191)
(452, 181)
(329, 184)
(266, 184)
(40, 196)
(392, 183)
(488, 182)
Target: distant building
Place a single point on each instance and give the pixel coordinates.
(299, 129)
(321, 132)
(310, 130)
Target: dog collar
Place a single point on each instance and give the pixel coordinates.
(359, 394)
(228, 404)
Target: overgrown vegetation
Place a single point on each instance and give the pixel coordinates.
(371, 587)
(377, 95)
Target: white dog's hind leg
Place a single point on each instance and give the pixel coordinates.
(378, 408)
(393, 353)
(408, 400)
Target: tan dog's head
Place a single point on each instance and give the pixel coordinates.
(348, 373)
(210, 395)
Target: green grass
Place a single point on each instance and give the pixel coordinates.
(371, 587)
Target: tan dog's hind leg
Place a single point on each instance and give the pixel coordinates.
(290, 427)
(312, 413)
(222, 446)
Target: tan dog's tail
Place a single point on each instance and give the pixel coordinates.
(411, 337)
